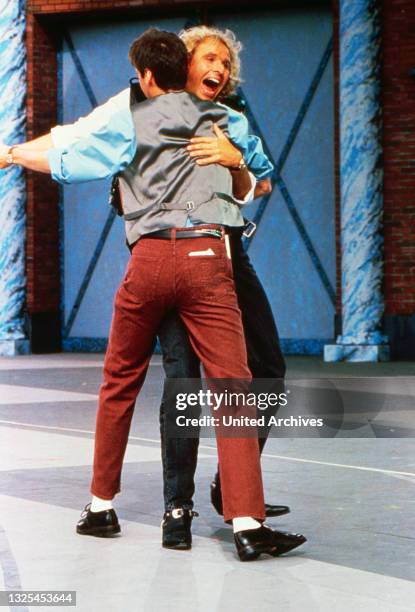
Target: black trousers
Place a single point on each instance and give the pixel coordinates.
(265, 360)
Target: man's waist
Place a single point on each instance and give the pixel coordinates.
(194, 231)
(198, 231)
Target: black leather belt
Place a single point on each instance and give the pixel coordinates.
(202, 233)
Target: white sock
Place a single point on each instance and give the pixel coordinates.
(98, 504)
(242, 523)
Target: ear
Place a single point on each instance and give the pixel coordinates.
(144, 77)
(148, 77)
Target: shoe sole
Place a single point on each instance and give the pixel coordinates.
(273, 514)
(250, 554)
(101, 532)
(178, 546)
(278, 513)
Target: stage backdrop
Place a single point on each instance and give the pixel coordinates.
(288, 89)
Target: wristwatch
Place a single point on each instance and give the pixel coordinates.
(241, 166)
(9, 156)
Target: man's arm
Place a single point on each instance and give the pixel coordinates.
(42, 143)
(99, 155)
(262, 188)
(219, 149)
(36, 161)
(96, 156)
(242, 184)
(249, 145)
(23, 156)
(62, 136)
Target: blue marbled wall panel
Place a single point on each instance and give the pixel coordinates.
(12, 183)
(361, 172)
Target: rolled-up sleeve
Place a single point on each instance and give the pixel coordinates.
(99, 155)
(249, 145)
(65, 135)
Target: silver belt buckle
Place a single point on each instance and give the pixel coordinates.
(250, 229)
(190, 205)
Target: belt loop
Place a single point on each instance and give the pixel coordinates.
(173, 234)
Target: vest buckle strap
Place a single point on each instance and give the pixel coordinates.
(249, 229)
(187, 206)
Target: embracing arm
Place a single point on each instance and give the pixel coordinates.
(63, 136)
(220, 150)
(99, 155)
(242, 183)
(262, 188)
(242, 146)
(27, 157)
(42, 143)
(31, 154)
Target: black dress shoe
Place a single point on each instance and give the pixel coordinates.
(175, 527)
(272, 510)
(216, 499)
(101, 524)
(253, 542)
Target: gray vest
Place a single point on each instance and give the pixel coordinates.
(163, 187)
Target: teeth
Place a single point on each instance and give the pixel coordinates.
(213, 80)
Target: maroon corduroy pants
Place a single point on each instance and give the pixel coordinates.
(161, 275)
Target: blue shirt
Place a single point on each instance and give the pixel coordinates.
(111, 149)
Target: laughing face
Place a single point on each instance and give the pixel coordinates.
(209, 69)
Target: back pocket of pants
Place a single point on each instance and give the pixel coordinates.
(143, 278)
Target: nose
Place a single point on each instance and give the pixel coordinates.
(218, 66)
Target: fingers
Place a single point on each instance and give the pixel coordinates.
(202, 140)
(203, 150)
(208, 150)
(212, 159)
(217, 130)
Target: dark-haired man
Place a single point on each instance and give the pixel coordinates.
(158, 182)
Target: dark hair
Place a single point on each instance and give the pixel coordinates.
(164, 54)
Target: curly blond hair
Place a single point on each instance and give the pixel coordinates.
(192, 37)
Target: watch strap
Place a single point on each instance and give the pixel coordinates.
(9, 156)
(241, 166)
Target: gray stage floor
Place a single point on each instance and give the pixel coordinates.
(352, 497)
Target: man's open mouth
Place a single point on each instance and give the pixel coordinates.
(212, 85)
